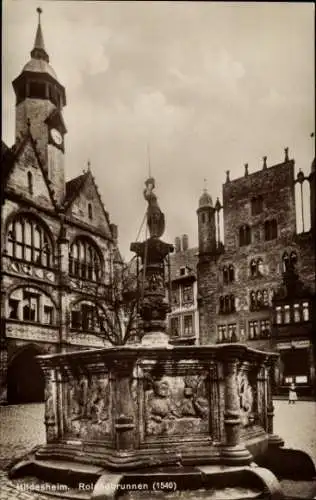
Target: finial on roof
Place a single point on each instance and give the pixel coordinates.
(205, 185)
(264, 162)
(246, 170)
(89, 166)
(39, 51)
(28, 123)
(227, 176)
(286, 154)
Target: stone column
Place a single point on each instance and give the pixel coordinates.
(123, 405)
(3, 351)
(63, 264)
(273, 438)
(51, 421)
(312, 369)
(232, 452)
(262, 395)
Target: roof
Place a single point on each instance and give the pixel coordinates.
(205, 200)
(187, 258)
(73, 187)
(11, 155)
(40, 66)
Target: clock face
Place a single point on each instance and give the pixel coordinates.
(56, 136)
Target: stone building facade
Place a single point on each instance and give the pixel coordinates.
(58, 245)
(183, 320)
(259, 287)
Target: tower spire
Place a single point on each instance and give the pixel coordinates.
(39, 51)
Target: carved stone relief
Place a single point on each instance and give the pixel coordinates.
(88, 407)
(176, 405)
(31, 270)
(246, 398)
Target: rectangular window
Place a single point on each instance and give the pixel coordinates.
(175, 296)
(279, 315)
(187, 294)
(232, 328)
(253, 329)
(48, 315)
(301, 379)
(188, 325)
(305, 311)
(88, 314)
(221, 333)
(288, 380)
(175, 326)
(297, 314)
(14, 308)
(287, 314)
(30, 306)
(75, 320)
(264, 328)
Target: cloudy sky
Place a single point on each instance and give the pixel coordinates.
(209, 86)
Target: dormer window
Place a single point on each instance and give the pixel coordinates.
(90, 211)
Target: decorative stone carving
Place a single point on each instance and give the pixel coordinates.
(31, 270)
(176, 405)
(88, 407)
(246, 398)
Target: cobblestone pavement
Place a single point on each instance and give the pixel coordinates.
(22, 428)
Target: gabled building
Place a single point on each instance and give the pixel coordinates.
(57, 241)
(245, 291)
(183, 320)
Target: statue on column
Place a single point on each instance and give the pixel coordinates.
(155, 217)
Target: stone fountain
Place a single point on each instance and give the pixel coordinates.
(158, 416)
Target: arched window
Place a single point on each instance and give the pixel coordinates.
(232, 303)
(221, 304)
(30, 182)
(265, 298)
(85, 260)
(90, 211)
(270, 230)
(231, 273)
(260, 267)
(253, 268)
(252, 300)
(28, 240)
(244, 235)
(225, 275)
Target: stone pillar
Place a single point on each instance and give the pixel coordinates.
(51, 421)
(262, 395)
(273, 438)
(123, 405)
(233, 452)
(63, 271)
(3, 352)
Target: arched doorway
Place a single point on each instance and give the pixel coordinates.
(25, 377)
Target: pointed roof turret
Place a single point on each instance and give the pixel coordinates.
(39, 51)
(39, 61)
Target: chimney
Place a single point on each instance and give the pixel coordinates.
(114, 232)
(185, 242)
(177, 244)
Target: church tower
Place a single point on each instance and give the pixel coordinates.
(206, 225)
(40, 99)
